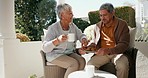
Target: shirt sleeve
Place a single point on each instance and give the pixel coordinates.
(48, 45)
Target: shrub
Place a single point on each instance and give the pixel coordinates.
(82, 24)
(126, 13)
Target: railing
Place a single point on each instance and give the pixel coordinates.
(142, 38)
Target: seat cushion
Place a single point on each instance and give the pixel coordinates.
(48, 63)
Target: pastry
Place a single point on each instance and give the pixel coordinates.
(91, 47)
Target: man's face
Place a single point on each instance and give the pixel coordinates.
(105, 16)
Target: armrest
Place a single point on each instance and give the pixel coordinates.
(131, 53)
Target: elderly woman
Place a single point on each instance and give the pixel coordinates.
(58, 49)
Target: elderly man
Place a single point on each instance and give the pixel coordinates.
(112, 39)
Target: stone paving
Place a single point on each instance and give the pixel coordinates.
(141, 66)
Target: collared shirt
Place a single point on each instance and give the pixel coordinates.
(107, 35)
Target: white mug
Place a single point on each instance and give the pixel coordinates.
(90, 70)
(71, 37)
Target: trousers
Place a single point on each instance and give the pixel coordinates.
(72, 62)
(119, 60)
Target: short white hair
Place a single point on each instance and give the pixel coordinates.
(61, 8)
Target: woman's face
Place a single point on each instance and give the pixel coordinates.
(105, 16)
(67, 16)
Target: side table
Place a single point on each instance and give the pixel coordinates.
(97, 74)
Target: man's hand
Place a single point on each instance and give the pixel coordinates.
(102, 51)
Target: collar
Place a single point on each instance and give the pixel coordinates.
(99, 24)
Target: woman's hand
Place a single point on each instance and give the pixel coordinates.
(62, 38)
(84, 42)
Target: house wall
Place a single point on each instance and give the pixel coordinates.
(145, 8)
(22, 59)
(1, 61)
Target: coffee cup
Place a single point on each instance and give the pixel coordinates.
(71, 37)
(90, 70)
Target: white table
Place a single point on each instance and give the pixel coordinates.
(97, 74)
(88, 56)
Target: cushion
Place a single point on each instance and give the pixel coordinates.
(45, 31)
(48, 63)
(42, 37)
(89, 31)
(132, 36)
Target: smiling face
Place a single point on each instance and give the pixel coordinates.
(105, 16)
(67, 16)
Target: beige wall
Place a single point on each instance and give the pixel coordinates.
(22, 59)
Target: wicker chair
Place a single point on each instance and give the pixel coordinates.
(50, 70)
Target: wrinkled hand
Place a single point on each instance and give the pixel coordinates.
(81, 51)
(102, 51)
(62, 38)
(84, 42)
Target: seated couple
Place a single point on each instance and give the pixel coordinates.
(111, 40)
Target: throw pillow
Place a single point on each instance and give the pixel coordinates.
(44, 31)
(132, 36)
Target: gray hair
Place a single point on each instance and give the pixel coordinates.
(62, 7)
(107, 6)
